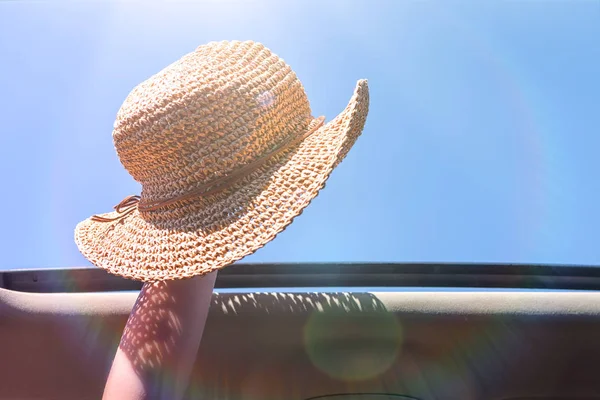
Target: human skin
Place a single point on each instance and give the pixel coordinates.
(160, 340)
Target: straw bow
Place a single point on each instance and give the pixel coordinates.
(124, 208)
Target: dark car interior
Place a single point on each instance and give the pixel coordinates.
(324, 331)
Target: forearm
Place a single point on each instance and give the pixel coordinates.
(160, 341)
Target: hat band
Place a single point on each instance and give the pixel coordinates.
(131, 203)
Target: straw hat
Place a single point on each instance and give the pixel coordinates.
(227, 152)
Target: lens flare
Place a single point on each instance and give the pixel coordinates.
(352, 346)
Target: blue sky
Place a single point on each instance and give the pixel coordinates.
(481, 144)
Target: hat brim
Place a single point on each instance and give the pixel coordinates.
(203, 235)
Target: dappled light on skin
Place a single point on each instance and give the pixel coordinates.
(153, 329)
(151, 333)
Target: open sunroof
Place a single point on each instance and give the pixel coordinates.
(526, 276)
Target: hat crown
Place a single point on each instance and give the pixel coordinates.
(216, 109)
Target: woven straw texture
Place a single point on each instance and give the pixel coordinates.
(203, 117)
